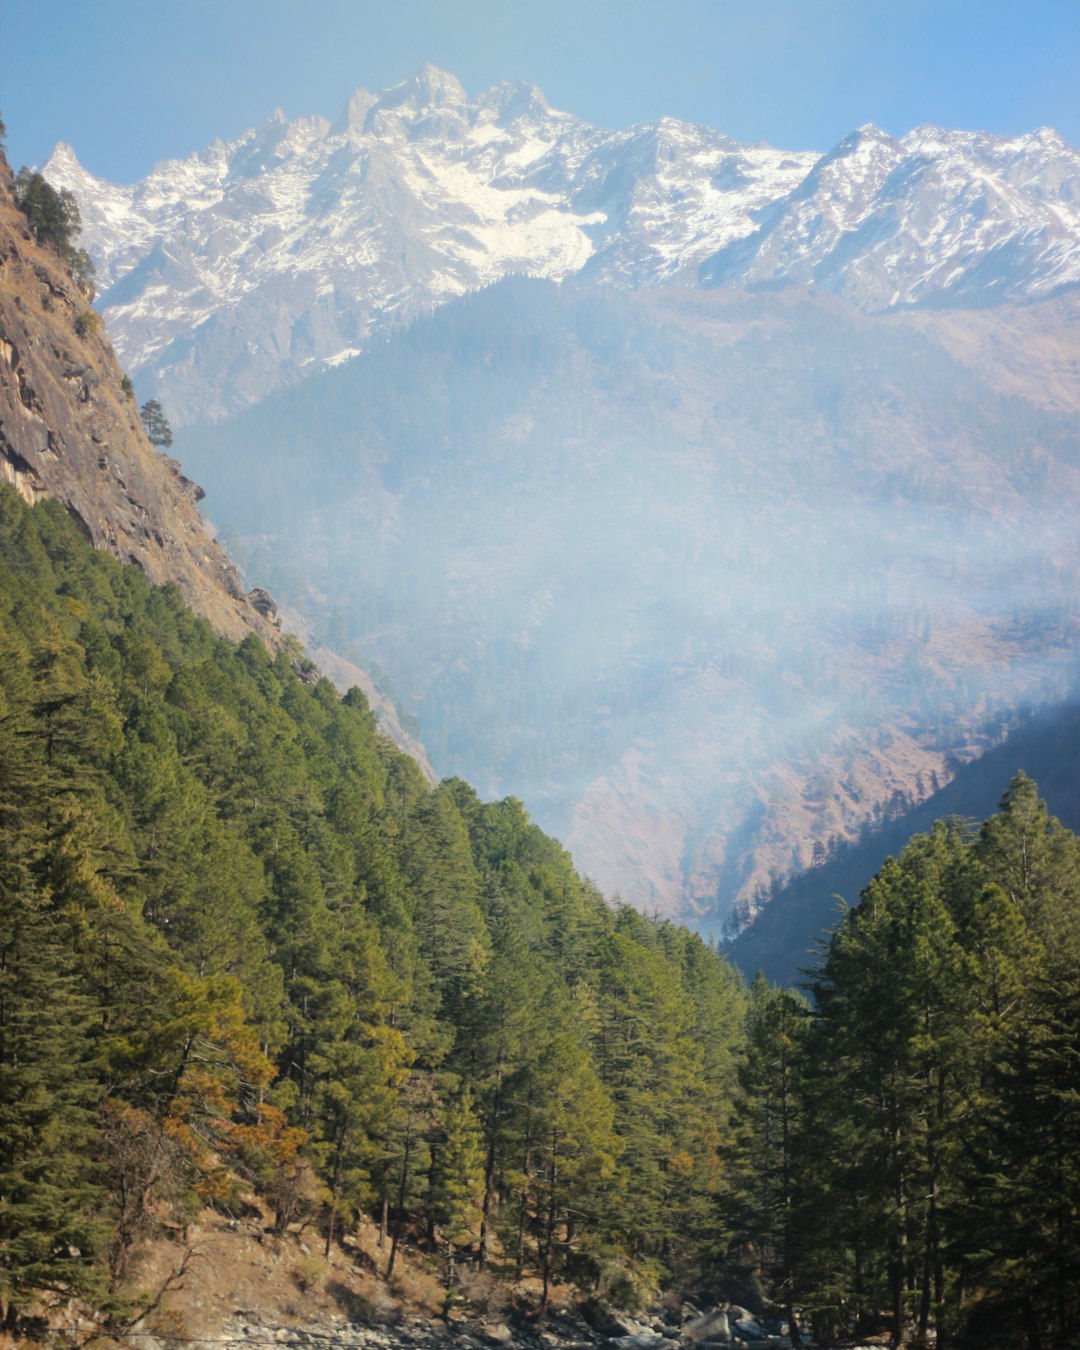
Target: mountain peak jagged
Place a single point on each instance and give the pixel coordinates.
(429, 87)
(418, 193)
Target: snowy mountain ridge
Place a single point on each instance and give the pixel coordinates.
(246, 265)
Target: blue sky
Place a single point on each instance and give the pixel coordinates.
(128, 82)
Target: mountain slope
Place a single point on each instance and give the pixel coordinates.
(253, 263)
(785, 938)
(940, 217)
(708, 579)
(68, 430)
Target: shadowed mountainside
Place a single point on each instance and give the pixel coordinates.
(786, 936)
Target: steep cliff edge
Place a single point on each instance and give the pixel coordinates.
(71, 431)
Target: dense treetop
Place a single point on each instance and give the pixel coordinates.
(246, 952)
(246, 947)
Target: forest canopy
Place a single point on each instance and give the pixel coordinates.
(246, 953)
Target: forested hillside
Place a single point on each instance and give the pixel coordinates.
(246, 952)
(917, 1133)
(245, 948)
(785, 938)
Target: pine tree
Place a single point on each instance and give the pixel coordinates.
(769, 1128)
(459, 1174)
(156, 424)
(50, 1214)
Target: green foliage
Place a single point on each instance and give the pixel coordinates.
(88, 324)
(910, 1149)
(245, 945)
(54, 218)
(242, 944)
(156, 424)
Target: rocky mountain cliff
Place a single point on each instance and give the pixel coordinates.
(250, 264)
(69, 430)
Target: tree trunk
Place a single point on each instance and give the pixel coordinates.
(519, 1262)
(489, 1169)
(549, 1226)
(335, 1185)
(402, 1191)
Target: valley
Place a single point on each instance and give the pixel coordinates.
(711, 581)
(735, 529)
(709, 506)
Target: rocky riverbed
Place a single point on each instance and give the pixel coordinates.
(722, 1328)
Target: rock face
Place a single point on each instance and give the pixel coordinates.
(69, 431)
(250, 264)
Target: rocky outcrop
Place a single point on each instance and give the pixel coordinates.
(731, 1329)
(70, 429)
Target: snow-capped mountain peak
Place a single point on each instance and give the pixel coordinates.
(430, 87)
(287, 248)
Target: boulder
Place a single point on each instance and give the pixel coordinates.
(710, 1326)
(612, 1322)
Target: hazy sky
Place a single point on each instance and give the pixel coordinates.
(128, 82)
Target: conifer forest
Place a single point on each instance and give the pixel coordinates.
(249, 955)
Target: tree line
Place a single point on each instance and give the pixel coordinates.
(912, 1129)
(248, 956)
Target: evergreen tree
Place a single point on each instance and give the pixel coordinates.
(459, 1178)
(770, 1125)
(156, 424)
(50, 1213)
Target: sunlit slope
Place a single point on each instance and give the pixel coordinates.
(786, 938)
(708, 579)
(257, 261)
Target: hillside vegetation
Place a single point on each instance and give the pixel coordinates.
(245, 947)
(246, 953)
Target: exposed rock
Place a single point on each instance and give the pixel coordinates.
(264, 603)
(710, 1326)
(68, 431)
(498, 1333)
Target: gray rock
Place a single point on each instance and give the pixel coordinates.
(710, 1326)
(498, 1333)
